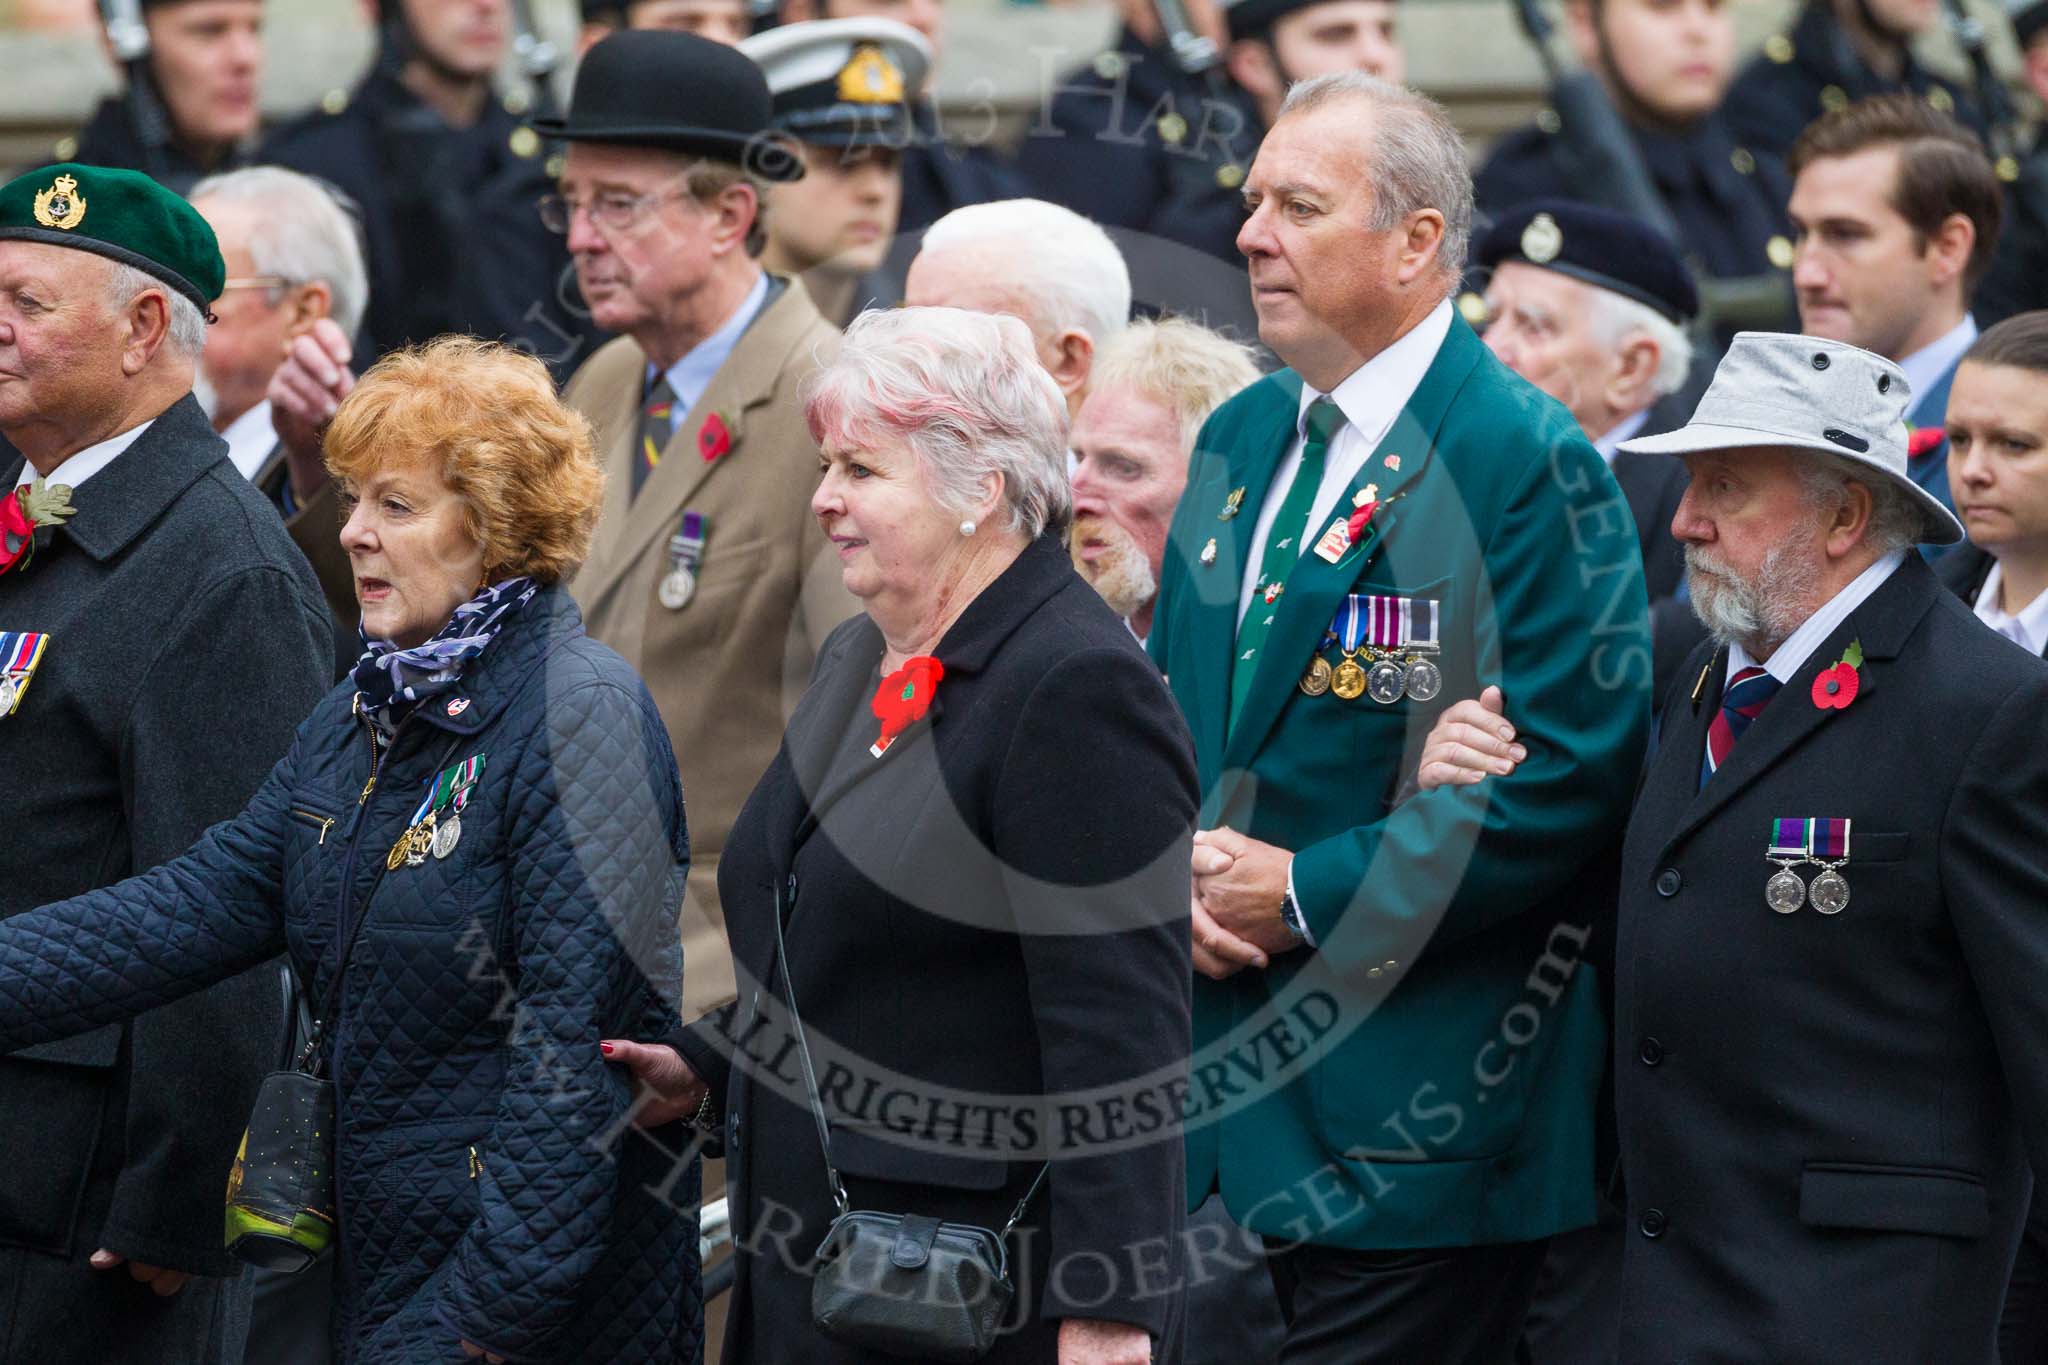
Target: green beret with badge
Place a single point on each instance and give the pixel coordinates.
(122, 215)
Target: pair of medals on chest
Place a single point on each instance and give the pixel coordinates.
(436, 826)
(1395, 636)
(1822, 842)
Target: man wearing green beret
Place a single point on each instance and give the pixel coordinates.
(160, 636)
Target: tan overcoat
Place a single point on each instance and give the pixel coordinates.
(727, 669)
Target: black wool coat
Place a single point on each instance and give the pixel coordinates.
(187, 639)
(986, 924)
(1822, 1116)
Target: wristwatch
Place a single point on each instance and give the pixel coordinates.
(1291, 916)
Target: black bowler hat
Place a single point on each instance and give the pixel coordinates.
(1599, 246)
(658, 88)
(844, 82)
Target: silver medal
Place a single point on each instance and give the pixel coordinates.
(1425, 680)
(1785, 892)
(678, 586)
(1387, 681)
(448, 835)
(10, 693)
(1830, 892)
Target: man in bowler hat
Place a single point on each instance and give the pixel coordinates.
(160, 637)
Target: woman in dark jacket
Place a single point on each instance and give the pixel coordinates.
(491, 801)
(978, 832)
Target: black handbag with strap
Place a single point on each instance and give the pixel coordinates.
(902, 1283)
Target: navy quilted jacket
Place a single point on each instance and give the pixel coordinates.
(490, 1186)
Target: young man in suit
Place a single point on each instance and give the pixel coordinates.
(1354, 1101)
(1896, 212)
(1830, 1043)
(158, 646)
(1592, 307)
(708, 572)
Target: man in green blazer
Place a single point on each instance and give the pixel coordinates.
(1399, 1035)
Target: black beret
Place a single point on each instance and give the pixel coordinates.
(2029, 17)
(659, 88)
(121, 215)
(1596, 245)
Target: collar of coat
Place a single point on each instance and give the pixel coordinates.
(496, 676)
(128, 496)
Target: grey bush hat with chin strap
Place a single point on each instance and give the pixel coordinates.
(1774, 390)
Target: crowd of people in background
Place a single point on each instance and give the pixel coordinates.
(1355, 751)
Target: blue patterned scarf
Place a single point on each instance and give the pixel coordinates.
(388, 677)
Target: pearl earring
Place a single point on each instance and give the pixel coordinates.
(967, 527)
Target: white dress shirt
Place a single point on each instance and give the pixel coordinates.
(1787, 659)
(75, 471)
(1621, 431)
(1371, 397)
(1925, 367)
(251, 439)
(2029, 629)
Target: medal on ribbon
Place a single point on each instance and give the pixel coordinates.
(1349, 679)
(1791, 844)
(685, 556)
(427, 833)
(1830, 890)
(1388, 679)
(1420, 616)
(1316, 681)
(20, 652)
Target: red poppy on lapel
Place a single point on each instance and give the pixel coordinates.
(713, 440)
(1360, 520)
(24, 512)
(1836, 687)
(904, 697)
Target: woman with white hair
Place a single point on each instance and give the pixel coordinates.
(986, 935)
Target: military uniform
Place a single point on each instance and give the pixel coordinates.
(1728, 203)
(1135, 141)
(940, 176)
(108, 139)
(1813, 70)
(455, 243)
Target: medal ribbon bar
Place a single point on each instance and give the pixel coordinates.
(1791, 838)
(1830, 838)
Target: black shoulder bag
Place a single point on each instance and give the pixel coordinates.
(902, 1283)
(281, 1205)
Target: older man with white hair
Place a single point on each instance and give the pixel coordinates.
(1154, 385)
(1385, 519)
(159, 638)
(1828, 1103)
(1591, 306)
(1048, 266)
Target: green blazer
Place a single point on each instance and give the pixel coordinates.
(1426, 1075)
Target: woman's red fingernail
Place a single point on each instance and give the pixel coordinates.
(607, 1048)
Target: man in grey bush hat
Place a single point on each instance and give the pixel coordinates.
(1831, 1049)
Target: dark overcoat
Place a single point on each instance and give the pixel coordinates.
(187, 637)
(989, 947)
(1822, 1115)
(489, 1186)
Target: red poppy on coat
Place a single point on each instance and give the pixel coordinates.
(1836, 687)
(713, 440)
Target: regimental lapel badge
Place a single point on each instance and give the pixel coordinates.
(1231, 505)
(20, 652)
(1393, 462)
(1208, 555)
(61, 206)
(1822, 842)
